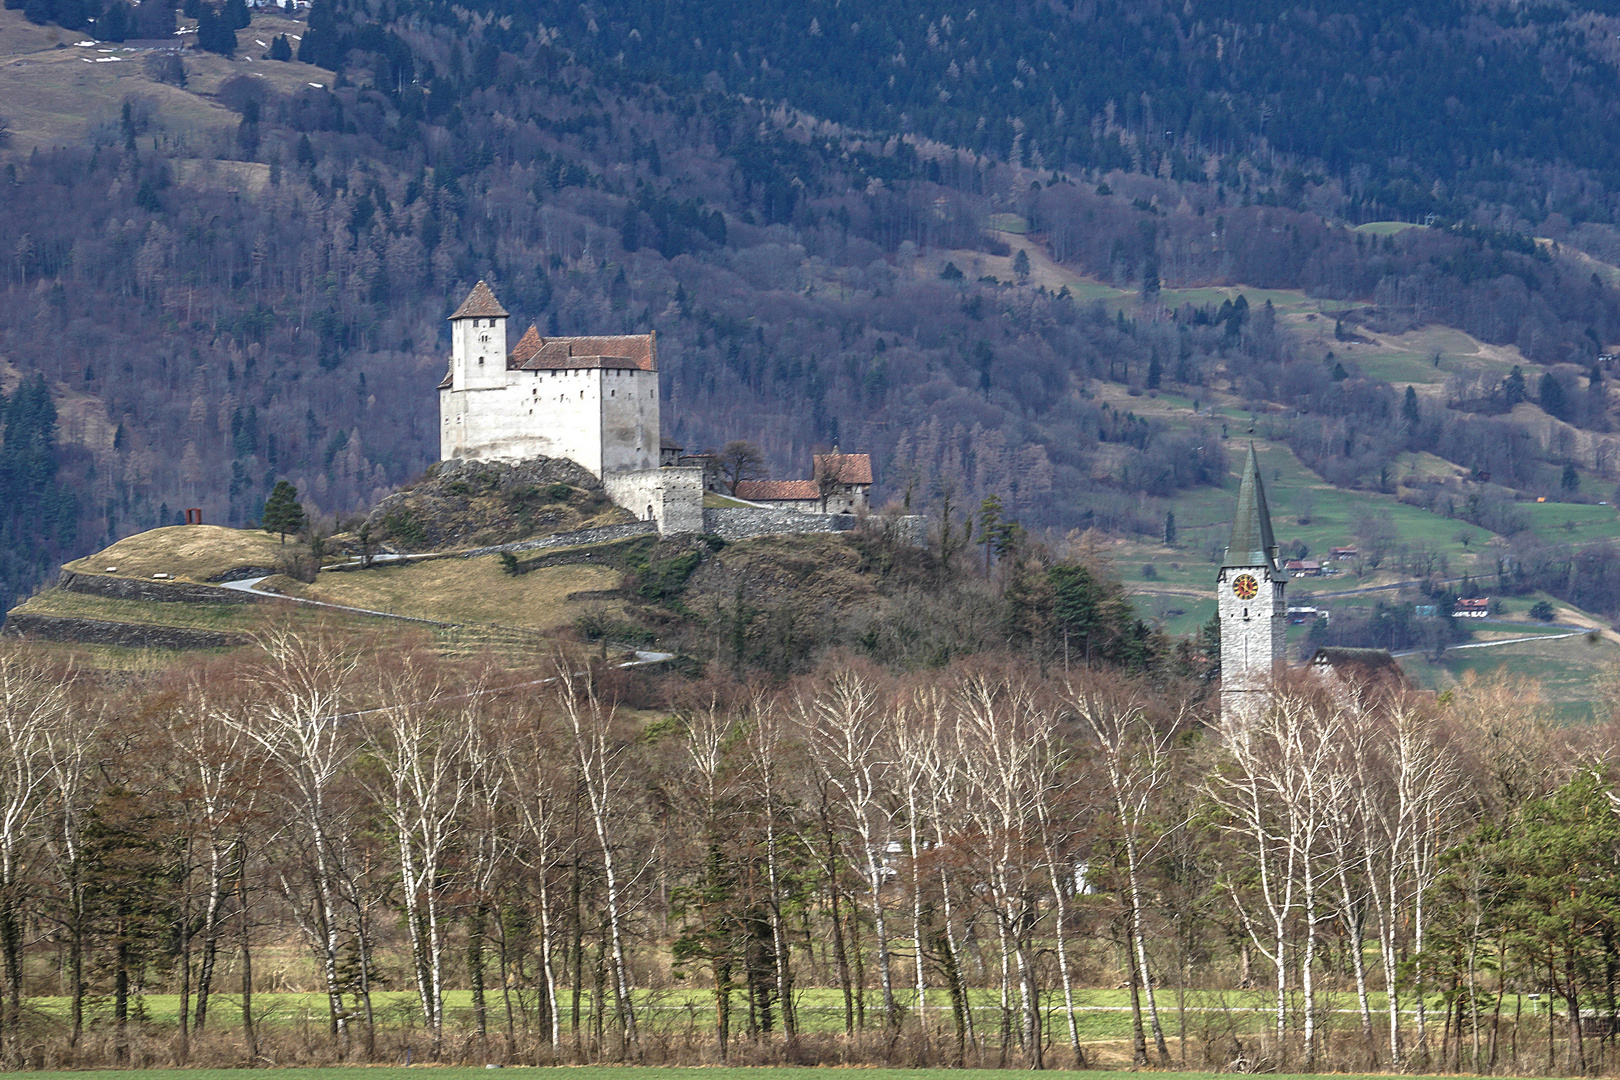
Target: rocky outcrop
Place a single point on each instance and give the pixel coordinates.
(460, 504)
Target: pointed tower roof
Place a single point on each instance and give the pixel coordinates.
(1252, 542)
(480, 304)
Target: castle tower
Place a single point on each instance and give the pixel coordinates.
(478, 342)
(1253, 613)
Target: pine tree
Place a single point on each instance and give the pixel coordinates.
(214, 31)
(114, 22)
(283, 513)
(280, 49)
(1551, 392)
(1170, 528)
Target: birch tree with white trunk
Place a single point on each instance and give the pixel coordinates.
(418, 737)
(303, 685)
(849, 740)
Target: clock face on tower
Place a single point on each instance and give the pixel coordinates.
(1245, 587)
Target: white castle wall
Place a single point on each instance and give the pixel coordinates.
(672, 497)
(629, 420)
(606, 420)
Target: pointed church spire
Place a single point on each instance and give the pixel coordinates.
(1252, 542)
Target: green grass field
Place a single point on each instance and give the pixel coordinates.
(1386, 228)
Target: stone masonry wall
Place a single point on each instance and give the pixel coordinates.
(128, 635)
(567, 539)
(673, 496)
(734, 523)
(163, 592)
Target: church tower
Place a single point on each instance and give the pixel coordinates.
(1253, 613)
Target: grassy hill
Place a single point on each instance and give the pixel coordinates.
(463, 604)
(60, 87)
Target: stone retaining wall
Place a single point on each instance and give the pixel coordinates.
(128, 635)
(733, 523)
(163, 592)
(568, 539)
(243, 573)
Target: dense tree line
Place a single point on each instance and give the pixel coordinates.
(39, 508)
(620, 866)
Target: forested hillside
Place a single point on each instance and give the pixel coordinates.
(785, 195)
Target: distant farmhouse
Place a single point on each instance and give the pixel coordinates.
(594, 401)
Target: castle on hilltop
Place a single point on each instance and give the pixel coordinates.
(594, 401)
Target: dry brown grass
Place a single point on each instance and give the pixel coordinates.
(189, 552)
(224, 617)
(469, 591)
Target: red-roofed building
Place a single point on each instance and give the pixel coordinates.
(839, 486)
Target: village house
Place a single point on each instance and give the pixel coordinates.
(838, 486)
(1477, 607)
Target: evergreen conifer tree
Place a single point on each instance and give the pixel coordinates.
(283, 513)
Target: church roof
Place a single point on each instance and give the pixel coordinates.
(480, 304)
(635, 352)
(1252, 542)
(1365, 664)
(846, 468)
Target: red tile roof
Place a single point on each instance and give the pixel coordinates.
(636, 352)
(847, 468)
(524, 350)
(778, 490)
(480, 304)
